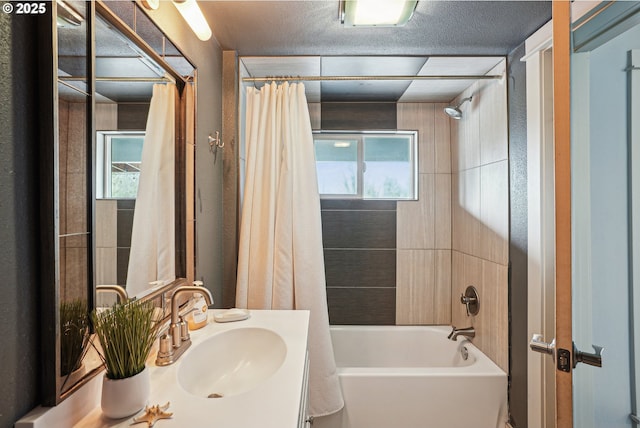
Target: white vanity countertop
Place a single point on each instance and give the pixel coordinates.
(273, 403)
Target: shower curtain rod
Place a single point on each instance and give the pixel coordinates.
(364, 78)
(121, 79)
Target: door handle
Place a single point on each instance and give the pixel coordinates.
(538, 344)
(594, 359)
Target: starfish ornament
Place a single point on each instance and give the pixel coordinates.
(152, 415)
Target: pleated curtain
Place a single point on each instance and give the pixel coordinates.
(153, 246)
(281, 262)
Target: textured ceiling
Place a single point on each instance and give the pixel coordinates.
(312, 28)
(305, 38)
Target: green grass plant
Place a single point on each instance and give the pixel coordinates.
(74, 334)
(126, 333)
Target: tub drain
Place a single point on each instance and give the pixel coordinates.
(215, 395)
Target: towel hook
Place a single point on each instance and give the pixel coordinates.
(216, 141)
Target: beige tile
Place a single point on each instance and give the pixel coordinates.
(442, 232)
(493, 129)
(442, 138)
(75, 203)
(420, 117)
(469, 130)
(454, 133)
(106, 266)
(75, 285)
(494, 208)
(415, 287)
(63, 136)
(465, 206)
(442, 292)
(76, 141)
(465, 270)
(106, 217)
(415, 227)
(493, 316)
(491, 323)
(106, 116)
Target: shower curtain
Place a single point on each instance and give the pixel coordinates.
(281, 261)
(153, 235)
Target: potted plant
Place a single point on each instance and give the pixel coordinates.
(126, 333)
(74, 340)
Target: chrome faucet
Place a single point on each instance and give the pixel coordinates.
(176, 340)
(468, 332)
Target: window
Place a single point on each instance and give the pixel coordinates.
(118, 163)
(366, 165)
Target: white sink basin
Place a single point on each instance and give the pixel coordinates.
(231, 362)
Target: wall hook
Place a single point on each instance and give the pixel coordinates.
(216, 141)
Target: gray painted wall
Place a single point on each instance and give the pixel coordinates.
(207, 57)
(19, 252)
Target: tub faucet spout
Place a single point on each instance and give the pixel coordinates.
(468, 332)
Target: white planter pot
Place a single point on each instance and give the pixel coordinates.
(125, 397)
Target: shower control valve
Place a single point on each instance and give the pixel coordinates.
(471, 300)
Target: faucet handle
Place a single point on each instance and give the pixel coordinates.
(166, 346)
(470, 300)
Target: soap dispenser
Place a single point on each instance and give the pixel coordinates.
(198, 316)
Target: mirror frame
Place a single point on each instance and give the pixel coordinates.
(49, 198)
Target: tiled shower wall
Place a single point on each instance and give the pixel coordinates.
(480, 220)
(73, 215)
(423, 278)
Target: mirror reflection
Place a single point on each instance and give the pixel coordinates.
(74, 169)
(125, 79)
(123, 99)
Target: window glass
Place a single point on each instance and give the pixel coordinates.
(118, 163)
(126, 154)
(387, 168)
(366, 165)
(337, 166)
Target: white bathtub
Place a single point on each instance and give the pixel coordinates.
(414, 377)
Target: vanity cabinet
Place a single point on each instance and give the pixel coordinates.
(303, 418)
(279, 400)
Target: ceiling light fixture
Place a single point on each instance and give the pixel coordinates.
(378, 13)
(193, 15)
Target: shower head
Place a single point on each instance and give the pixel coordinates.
(454, 111)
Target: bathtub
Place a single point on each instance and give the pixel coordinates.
(414, 377)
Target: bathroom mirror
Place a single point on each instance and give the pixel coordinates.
(105, 74)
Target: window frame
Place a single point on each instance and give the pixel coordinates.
(360, 136)
(103, 160)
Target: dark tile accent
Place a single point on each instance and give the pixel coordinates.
(125, 225)
(126, 204)
(360, 268)
(132, 117)
(358, 116)
(357, 204)
(362, 306)
(359, 229)
(123, 264)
